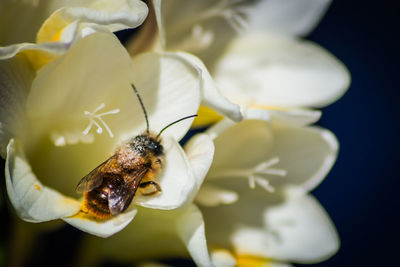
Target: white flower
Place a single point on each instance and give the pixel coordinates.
(254, 199)
(254, 54)
(41, 20)
(29, 30)
(63, 120)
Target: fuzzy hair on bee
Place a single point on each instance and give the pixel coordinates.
(135, 165)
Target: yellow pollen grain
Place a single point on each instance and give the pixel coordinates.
(37, 187)
(80, 215)
(251, 261)
(83, 215)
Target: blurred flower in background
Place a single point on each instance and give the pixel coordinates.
(66, 103)
(254, 199)
(254, 52)
(71, 21)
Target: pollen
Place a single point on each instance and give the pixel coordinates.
(97, 120)
(37, 187)
(92, 212)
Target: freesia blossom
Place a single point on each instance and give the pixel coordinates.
(32, 20)
(254, 200)
(61, 121)
(253, 52)
(68, 22)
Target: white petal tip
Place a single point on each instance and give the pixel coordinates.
(101, 228)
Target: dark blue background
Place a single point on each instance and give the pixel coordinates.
(360, 193)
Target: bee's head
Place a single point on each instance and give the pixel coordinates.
(146, 143)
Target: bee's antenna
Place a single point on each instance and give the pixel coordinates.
(184, 118)
(141, 103)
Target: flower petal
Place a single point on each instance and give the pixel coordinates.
(256, 114)
(286, 16)
(299, 230)
(200, 152)
(157, 5)
(307, 154)
(33, 201)
(300, 156)
(218, 128)
(278, 71)
(153, 234)
(177, 180)
(37, 54)
(16, 75)
(223, 258)
(190, 228)
(295, 117)
(113, 14)
(103, 228)
(285, 227)
(211, 95)
(278, 115)
(242, 145)
(176, 93)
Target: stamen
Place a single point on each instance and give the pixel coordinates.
(102, 105)
(231, 12)
(252, 182)
(235, 21)
(265, 184)
(198, 40)
(266, 164)
(253, 174)
(277, 172)
(97, 120)
(86, 131)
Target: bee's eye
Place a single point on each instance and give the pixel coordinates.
(152, 146)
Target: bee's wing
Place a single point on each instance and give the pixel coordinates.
(94, 178)
(119, 198)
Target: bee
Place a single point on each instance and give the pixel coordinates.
(111, 186)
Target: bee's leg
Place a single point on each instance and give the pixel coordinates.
(155, 188)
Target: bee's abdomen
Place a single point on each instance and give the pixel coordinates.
(96, 201)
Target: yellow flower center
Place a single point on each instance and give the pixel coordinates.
(251, 261)
(206, 116)
(57, 36)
